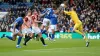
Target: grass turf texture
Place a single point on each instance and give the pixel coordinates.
(61, 47)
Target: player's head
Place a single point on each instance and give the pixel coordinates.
(54, 7)
(43, 8)
(71, 8)
(34, 12)
(23, 15)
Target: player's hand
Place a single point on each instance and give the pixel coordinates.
(40, 22)
(62, 11)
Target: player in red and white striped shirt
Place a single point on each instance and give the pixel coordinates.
(26, 27)
(35, 28)
(34, 23)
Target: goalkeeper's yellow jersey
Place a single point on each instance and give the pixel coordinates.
(73, 16)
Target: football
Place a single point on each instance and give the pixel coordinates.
(62, 5)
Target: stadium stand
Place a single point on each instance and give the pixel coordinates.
(88, 12)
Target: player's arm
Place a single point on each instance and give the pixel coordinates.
(42, 15)
(67, 12)
(14, 26)
(61, 7)
(37, 21)
(71, 22)
(25, 21)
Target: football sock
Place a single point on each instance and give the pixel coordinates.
(42, 40)
(43, 31)
(86, 39)
(19, 40)
(10, 37)
(27, 39)
(52, 37)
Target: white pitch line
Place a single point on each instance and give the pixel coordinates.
(58, 50)
(46, 49)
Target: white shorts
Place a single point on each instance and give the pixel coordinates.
(52, 27)
(45, 22)
(16, 30)
(29, 30)
(36, 30)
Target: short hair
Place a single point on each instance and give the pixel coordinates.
(54, 6)
(22, 14)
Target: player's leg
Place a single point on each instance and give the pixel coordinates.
(14, 35)
(50, 33)
(19, 40)
(76, 28)
(17, 33)
(46, 30)
(45, 26)
(83, 33)
(37, 37)
(85, 38)
(41, 38)
(28, 36)
(24, 32)
(53, 31)
(53, 34)
(38, 31)
(79, 29)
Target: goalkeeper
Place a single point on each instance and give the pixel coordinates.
(78, 24)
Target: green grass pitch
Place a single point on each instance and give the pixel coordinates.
(61, 47)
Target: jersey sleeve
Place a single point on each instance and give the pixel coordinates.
(66, 12)
(17, 21)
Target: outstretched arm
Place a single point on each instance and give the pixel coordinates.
(67, 12)
(41, 15)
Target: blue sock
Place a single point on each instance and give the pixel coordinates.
(10, 37)
(52, 37)
(19, 40)
(43, 31)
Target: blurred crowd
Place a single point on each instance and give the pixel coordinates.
(87, 10)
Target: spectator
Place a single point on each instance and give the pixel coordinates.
(71, 28)
(98, 28)
(87, 10)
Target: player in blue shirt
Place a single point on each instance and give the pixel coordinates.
(53, 25)
(46, 20)
(53, 19)
(16, 30)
